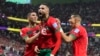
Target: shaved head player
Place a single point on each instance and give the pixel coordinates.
(78, 36)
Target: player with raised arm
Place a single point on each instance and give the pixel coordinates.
(78, 36)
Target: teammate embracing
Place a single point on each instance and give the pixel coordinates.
(78, 36)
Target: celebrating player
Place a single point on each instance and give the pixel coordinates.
(78, 36)
(30, 34)
(50, 36)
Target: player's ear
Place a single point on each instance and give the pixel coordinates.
(77, 19)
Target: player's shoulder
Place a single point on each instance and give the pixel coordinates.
(52, 18)
(81, 28)
(77, 29)
(24, 28)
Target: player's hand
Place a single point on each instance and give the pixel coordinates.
(51, 55)
(58, 21)
(36, 49)
(38, 33)
(59, 24)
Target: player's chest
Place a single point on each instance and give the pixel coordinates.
(31, 32)
(46, 29)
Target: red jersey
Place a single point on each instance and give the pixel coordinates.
(1, 51)
(49, 38)
(81, 42)
(29, 50)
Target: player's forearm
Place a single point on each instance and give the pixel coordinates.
(65, 37)
(31, 39)
(58, 43)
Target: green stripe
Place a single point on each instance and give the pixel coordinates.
(73, 36)
(58, 29)
(25, 37)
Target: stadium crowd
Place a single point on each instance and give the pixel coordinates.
(10, 47)
(12, 40)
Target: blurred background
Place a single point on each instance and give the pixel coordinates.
(13, 17)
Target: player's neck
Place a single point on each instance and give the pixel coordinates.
(46, 18)
(31, 25)
(78, 24)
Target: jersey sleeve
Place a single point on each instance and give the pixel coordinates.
(75, 33)
(57, 35)
(54, 24)
(23, 33)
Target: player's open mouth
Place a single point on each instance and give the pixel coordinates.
(40, 13)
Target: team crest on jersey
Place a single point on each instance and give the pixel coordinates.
(55, 25)
(76, 30)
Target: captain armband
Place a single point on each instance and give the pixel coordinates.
(61, 30)
(73, 36)
(25, 37)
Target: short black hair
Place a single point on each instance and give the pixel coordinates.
(47, 4)
(31, 11)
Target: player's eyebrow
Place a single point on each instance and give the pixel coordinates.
(42, 8)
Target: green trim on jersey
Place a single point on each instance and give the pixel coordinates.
(73, 36)
(25, 37)
(58, 29)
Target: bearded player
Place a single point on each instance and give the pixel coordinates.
(50, 37)
(30, 34)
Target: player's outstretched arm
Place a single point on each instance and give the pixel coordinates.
(68, 38)
(65, 36)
